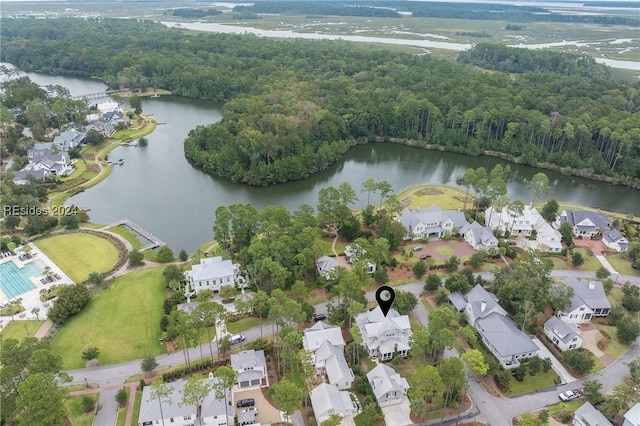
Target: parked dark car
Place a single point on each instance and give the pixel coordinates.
(319, 317)
(248, 402)
(425, 256)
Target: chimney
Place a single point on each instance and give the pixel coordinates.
(483, 306)
(592, 285)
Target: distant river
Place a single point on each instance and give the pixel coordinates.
(236, 29)
(159, 190)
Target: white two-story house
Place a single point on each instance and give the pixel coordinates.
(432, 223)
(589, 300)
(585, 224)
(211, 274)
(384, 336)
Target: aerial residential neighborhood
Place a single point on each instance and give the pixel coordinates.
(500, 311)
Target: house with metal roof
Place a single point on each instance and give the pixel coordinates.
(213, 410)
(211, 274)
(314, 336)
(431, 223)
(587, 415)
(632, 417)
(326, 266)
(384, 336)
(388, 387)
(329, 360)
(327, 400)
(251, 367)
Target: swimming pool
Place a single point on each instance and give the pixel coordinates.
(14, 281)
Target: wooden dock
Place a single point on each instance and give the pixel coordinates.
(154, 242)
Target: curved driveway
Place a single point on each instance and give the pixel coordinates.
(495, 411)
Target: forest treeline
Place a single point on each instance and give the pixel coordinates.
(499, 12)
(511, 59)
(476, 11)
(190, 12)
(316, 8)
(294, 106)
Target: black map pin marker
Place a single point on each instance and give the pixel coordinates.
(385, 296)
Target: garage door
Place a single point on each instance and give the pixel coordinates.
(244, 384)
(255, 382)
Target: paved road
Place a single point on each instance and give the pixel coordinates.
(493, 410)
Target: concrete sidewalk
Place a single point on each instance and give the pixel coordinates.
(557, 366)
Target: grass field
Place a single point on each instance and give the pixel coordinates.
(616, 348)
(445, 197)
(135, 243)
(79, 254)
(532, 383)
(622, 264)
(123, 322)
(18, 329)
(591, 263)
(76, 416)
(243, 324)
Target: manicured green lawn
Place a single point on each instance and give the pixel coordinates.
(79, 254)
(135, 243)
(569, 405)
(445, 251)
(16, 329)
(123, 322)
(445, 197)
(122, 412)
(242, 325)
(76, 416)
(136, 405)
(622, 264)
(591, 263)
(616, 348)
(532, 383)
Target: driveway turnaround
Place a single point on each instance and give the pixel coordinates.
(397, 415)
(267, 413)
(557, 366)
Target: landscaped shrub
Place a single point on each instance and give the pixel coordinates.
(520, 372)
(503, 378)
(87, 403)
(579, 361)
(164, 255)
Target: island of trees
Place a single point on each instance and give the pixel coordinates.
(294, 107)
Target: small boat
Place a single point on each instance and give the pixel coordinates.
(120, 162)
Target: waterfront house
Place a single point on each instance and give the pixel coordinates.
(432, 223)
(479, 237)
(211, 274)
(585, 224)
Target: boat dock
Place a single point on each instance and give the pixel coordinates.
(142, 234)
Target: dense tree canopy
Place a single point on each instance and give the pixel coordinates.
(295, 106)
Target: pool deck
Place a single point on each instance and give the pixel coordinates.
(31, 299)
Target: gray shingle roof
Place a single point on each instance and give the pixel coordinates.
(504, 336)
(580, 219)
(477, 296)
(247, 360)
(591, 293)
(565, 332)
(458, 301)
(326, 264)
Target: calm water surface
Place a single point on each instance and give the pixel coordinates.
(160, 191)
